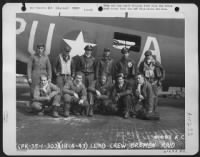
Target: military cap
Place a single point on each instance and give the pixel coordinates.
(67, 48)
(119, 75)
(88, 47)
(124, 50)
(40, 45)
(148, 53)
(106, 49)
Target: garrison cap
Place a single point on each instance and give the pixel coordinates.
(119, 75)
(148, 53)
(88, 47)
(124, 50)
(40, 45)
(67, 48)
(106, 50)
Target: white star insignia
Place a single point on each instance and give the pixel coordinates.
(78, 45)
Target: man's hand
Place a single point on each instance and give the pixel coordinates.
(48, 98)
(154, 83)
(137, 92)
(141, 97)
(98, 93)
(117, 97)
(81, 101)
(76, 95)
(29, 81)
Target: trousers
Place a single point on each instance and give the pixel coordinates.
(71, 103)
(40, 105)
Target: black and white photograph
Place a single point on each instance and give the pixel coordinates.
(110, 82)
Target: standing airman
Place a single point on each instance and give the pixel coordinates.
(105, 65)
(39, 64)
(154, 72)
(63, 67)
(126, 65)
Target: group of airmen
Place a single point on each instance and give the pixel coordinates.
(85, 86)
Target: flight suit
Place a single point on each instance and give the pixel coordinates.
(127, 67)
(124, 103)
(105, 66)
(154, 73)
(39, 101)
(71, 101)
(63, 71)
(37, 66)
(87, 66)
(103, 103)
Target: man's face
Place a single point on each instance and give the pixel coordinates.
(65, 55)
(103, 79)
(140, 79)
(78, 79)
(88, 53)
(126, 55)
(43, 80)
(40, 50)
(106, 54)
(120, 80)
(149, 59)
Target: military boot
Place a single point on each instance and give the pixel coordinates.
(55, 112)
(126, 115)
(87, 110)
(90, 114)
(83, 111)
(66, 110)
(41, 113)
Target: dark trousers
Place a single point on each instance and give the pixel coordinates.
(61, 80)
(88, 78)
(125, 104)
(40, 105)
(101, 105)
(155, 88)
(71, 103)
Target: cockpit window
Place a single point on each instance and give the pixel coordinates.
(121, 40)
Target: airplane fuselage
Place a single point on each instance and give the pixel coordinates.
(56, 32)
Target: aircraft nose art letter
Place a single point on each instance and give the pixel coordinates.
(78, 44)
(22, 25)
(32, 37)
(151, 40)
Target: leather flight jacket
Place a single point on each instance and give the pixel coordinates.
(87, 64)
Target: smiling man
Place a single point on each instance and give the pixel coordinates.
(46, 94)
(75, 96)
